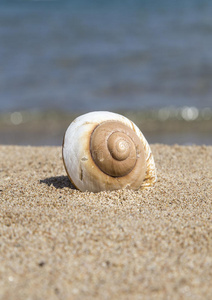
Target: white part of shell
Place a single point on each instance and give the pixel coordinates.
(80, 168)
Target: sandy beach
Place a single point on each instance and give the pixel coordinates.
(59, 243)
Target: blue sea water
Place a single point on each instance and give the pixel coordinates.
(106, 55)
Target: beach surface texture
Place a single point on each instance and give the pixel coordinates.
(59, 243)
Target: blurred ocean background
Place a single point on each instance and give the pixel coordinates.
(149, 60)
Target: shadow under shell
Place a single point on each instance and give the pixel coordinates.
(59, 182)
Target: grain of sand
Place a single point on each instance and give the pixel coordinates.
(59, 243)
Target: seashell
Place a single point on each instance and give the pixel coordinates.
(106, 151)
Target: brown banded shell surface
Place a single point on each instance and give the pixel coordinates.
(106, 151)
(117, 150)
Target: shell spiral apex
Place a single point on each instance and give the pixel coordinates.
(106, 151)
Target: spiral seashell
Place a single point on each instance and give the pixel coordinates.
(106, 151)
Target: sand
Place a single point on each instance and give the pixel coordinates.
(59, 243)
